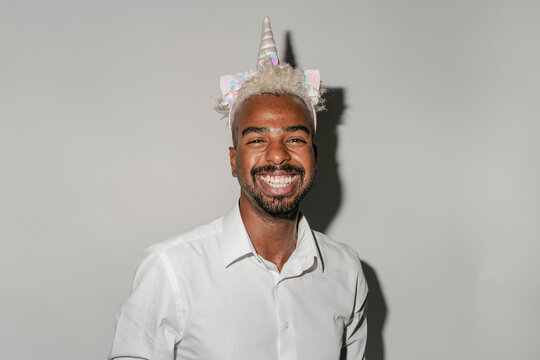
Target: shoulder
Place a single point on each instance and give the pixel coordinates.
(342, 264)
(337, 255)
(199, 242)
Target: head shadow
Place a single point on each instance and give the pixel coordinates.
(323, 202)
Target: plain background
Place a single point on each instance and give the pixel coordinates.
(109, 143)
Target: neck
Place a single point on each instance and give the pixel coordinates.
(274, 239)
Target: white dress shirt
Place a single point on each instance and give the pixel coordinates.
(207, 295)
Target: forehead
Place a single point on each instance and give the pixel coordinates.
(267, 110)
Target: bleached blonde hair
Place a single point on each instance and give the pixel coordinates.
(271, 79)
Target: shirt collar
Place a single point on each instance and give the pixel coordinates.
(237, 244)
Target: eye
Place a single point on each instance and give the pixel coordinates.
(297, 140)
(255, 141)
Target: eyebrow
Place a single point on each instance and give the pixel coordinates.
(254, 129)
(297, 128)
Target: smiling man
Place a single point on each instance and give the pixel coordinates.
(274, 161)
(257, 283)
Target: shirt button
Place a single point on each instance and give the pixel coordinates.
(286, 325)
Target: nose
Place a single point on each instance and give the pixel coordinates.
(277, 153)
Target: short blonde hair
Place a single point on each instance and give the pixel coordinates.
(270, 79)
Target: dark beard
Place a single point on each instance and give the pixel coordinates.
(278, 207)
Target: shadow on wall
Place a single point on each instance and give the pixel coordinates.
(376, 315)
(322, 203)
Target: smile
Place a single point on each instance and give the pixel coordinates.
(280, 181)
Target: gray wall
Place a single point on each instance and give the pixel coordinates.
(430, 169)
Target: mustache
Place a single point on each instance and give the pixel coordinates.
(271, 168)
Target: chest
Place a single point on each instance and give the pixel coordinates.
(241, 313)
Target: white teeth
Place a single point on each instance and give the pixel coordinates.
(277, 181)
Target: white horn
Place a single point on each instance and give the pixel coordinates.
(267, 49)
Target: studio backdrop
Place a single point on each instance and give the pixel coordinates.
(429, 160)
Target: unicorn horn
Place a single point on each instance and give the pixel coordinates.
(267, 49)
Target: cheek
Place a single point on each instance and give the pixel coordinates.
(307, 159)
(242, 166)
(247, 161)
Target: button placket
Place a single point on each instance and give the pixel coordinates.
(286, 339)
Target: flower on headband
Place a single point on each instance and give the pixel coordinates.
(273, 58)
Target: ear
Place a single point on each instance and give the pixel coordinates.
(232, 158)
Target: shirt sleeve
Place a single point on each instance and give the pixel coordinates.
(148, 323)
(356, 330)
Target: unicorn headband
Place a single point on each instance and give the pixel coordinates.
(270, 77)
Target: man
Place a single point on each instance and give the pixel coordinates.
(257, 283)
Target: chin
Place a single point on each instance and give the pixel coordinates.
(279, 207)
